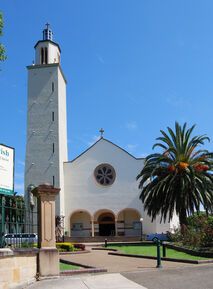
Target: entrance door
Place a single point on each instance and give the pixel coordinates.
(106, 229)
(106, 225)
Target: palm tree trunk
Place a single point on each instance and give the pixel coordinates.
(183, 221)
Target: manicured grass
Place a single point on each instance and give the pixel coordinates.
(64, 267)
(151, 251)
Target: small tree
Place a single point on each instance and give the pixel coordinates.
(2, 49)
(179, 179)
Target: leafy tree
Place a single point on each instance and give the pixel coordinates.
(179, 179)
(2, 49)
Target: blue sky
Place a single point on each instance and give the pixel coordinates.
(133, 67)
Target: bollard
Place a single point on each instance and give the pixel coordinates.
(157, 242)
(105, 241)
(164, 250)
(158, 255)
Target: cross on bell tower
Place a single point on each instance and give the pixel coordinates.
(47, 33)
(101, 132)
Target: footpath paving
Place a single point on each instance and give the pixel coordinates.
(106, 281)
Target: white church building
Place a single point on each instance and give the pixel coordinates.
(99, 193)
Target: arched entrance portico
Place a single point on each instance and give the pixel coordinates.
(104, 223)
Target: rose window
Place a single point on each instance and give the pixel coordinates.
(104, 174)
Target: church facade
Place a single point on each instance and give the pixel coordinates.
(99, 193)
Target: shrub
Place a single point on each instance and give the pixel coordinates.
(198, 233)
(65, 247)
(79, 246)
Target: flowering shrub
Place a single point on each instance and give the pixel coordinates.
(197, 234)
(69, 247)
(65, 247)
(79, 246)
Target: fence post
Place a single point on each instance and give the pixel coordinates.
(48, 263)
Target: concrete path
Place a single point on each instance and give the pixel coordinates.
(106, 281)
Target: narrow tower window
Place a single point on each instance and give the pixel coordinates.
(53, 116)
(53, 86)
(53, 181)
(53, 148)
(42, 55)
(46, 56)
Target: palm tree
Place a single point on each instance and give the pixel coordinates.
(179, 179)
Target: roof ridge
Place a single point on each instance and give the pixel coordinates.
(102, 138)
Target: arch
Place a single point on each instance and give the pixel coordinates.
(80, 223)
(81, 210)
(129, 209)
(101, 211)
(128, 222)
(104, 222)
(106, 217)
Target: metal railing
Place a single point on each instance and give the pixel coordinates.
(18, 224)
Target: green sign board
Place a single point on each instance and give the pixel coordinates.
(6, 170)
(6, 192)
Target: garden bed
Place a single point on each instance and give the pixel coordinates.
(68, 268)
(65, 267)
(190, 251)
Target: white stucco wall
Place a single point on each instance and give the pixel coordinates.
(62, 139)
(83, 192)
(158, 226)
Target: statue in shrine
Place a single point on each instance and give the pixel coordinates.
(30, 195)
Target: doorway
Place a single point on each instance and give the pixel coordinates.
(106, 223)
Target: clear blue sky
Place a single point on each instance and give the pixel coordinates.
(133, 67)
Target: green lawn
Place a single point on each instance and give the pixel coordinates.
(151, 251)
(64, 267)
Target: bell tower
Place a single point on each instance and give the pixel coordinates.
(47, 51)
(46, 144)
